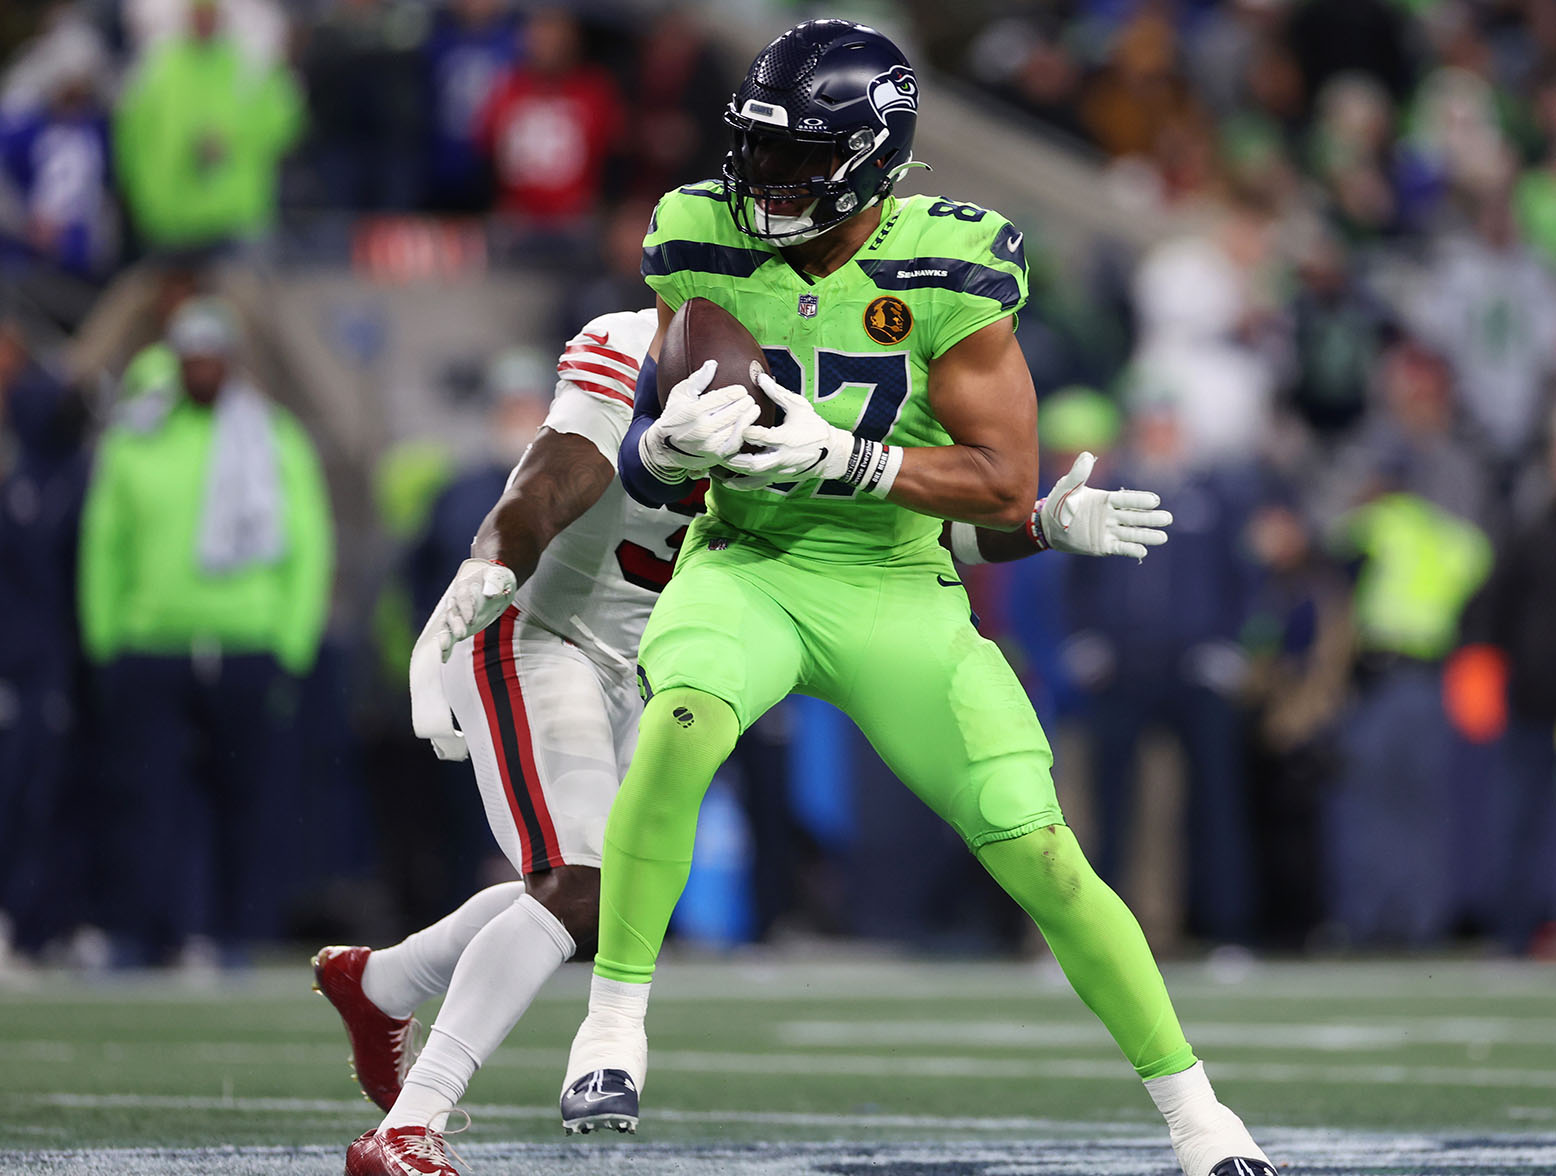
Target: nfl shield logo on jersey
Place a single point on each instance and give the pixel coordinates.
(808, 305)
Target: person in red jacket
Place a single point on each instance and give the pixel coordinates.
(550, 125)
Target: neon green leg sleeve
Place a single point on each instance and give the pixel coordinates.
(683, 737)
(1097, 942)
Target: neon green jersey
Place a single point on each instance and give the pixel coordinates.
(856, 343)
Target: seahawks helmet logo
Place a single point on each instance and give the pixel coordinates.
(896, 89)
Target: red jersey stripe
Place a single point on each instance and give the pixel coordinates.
(620, 357)
(598, 389)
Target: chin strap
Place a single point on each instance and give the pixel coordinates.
(903, 168)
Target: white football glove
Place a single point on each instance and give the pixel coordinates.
(1084, 521)
(476, 597)
(698, 428)
(803, 447)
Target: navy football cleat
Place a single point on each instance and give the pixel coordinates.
(1241, 1167)
(598, 1100)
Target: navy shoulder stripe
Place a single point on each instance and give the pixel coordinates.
(945, 273)
(710, 193)
(703, 257)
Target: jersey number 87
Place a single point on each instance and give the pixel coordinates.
(884, 374)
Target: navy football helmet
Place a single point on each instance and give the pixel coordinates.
(823, 126)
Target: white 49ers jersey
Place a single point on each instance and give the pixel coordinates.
(598, 579)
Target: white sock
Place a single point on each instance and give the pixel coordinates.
(397, 979)
(497, 976)
(1203, 1131)
(419, 1106)
(612, 1035)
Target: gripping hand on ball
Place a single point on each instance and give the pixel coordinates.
(698, 428)
(806, 447)
(1085, 521)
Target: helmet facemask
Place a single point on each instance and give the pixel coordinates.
(787, 187)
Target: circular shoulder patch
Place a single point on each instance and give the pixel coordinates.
(888, 320)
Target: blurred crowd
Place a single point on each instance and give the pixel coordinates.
(1335, 368)
(149, 127)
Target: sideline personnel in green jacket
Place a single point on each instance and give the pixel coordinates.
(205, 575)
(199, 135)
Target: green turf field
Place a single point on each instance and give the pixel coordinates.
(772, 1068)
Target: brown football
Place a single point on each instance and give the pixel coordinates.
(702, 330)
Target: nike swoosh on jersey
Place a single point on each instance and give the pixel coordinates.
(944, 583)
(1015, 242)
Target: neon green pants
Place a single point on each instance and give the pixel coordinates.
(738, 628)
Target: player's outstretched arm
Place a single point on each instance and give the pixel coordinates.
(1075, 518)
(981, 392)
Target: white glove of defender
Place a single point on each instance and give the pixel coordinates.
(698, 428)
(476, 597)
(1084, 521)
(803, 447)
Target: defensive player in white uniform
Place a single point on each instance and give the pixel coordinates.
(534, 646)
(568, 567)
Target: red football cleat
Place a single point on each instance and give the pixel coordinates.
(381, 1048)
(399, 1151)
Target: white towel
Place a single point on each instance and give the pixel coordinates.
(241, 522)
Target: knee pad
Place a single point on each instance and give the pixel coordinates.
(688, 724)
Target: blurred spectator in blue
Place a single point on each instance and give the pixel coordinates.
(1298, 637)
(1486, 301)
(363, 69)
(199, 135)
(549, 127)
(519, 383)
(1418, 555)
(54, 151)
(204, 584)
(1156, 644)
(42, 480)
(1501, 689)
(678, 85)
(473, 43)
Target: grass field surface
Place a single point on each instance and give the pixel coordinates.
(775, 1068)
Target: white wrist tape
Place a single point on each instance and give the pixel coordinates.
(964, 544)
(873, 466)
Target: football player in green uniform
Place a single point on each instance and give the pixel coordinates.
(888, 325)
